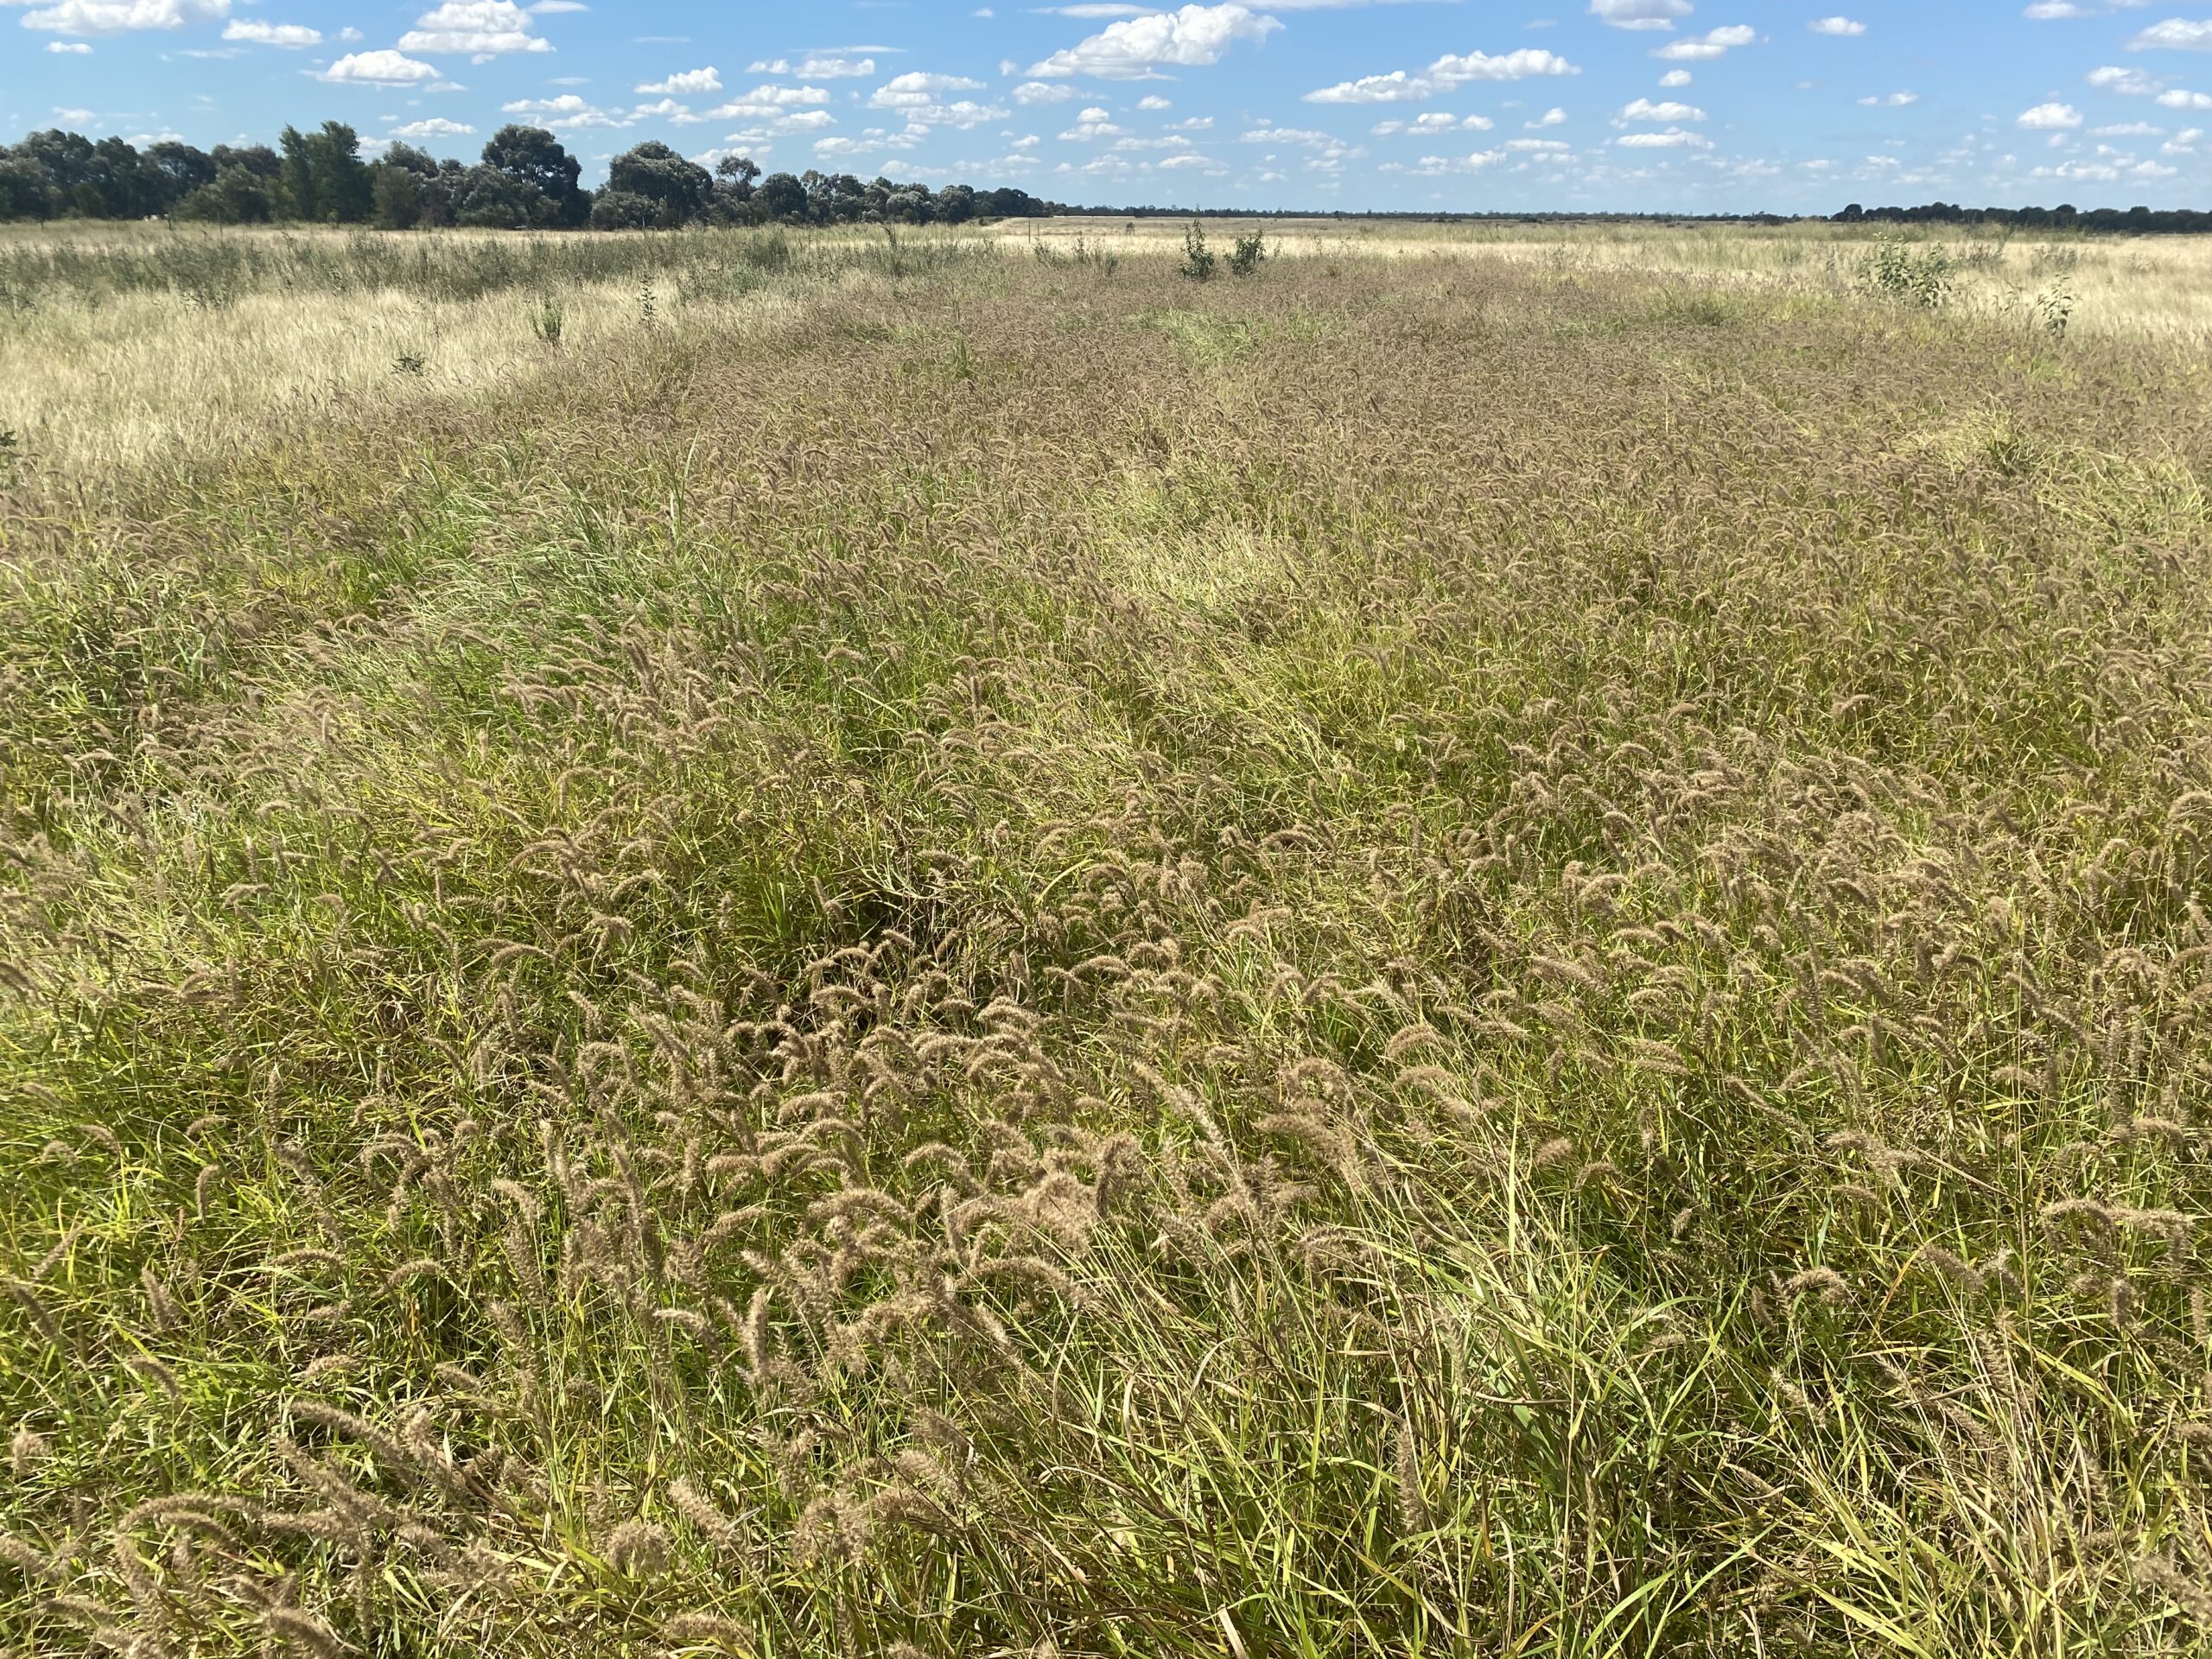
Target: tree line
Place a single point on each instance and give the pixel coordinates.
(525, 180)
(2133, 221)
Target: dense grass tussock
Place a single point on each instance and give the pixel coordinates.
(1378, 962)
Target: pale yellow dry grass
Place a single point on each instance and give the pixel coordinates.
(2147, 286)
(150, 373)
(93, 382)
(115, 375)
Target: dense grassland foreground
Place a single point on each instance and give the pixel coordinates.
(1416, 957)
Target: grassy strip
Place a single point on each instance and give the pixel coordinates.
(1380, 962)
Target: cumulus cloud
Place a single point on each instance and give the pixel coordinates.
(1446, 74)
(2111, 78)
(482, 29)
(922, 98)
(686, 83)
(382, 67)
(261, 34)
(1644, 108)
(436, 127)
(1090, 126)
(2175, 35)
(774, 110)
(1042, 92)
(1673, 138)
(1136, 47)
(121, 17)
(916, 88)
(1893, 100)
(1640, 14)
(567, 112)
(827, 66)
(1436, 122)
(1836, 26)
(1676, 77)
(2050, 118)
(1714, 44)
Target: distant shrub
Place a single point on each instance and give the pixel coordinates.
(1897, 272)
(2055, 309)
(1198, 260)
(1250, 253)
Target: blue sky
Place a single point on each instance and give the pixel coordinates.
(1793, 105)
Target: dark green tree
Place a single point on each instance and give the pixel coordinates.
(532, 157)
(677, 188)
(324, 179)
(780, 199)
(172, 171)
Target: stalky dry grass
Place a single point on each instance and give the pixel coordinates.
(1388, 961)
(124, 346)
(2156, 287)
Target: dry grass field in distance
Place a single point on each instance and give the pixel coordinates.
(1495, 943)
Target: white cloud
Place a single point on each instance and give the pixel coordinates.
(919, 96)
(261, 34)
(1446, 74)
(2048, 118)
(480, 28)
(1892, 101)
(2132, 82)
(436, 127)
(1042, 92)
(2180, 99)
(1154, 101)
(1135, 47)
(567, 112)
(2044, 10)
(1714, 44)
(1673, 138)
(1676, 77)
(2175, 35)
(686, 83)
(766, 100)
(1644, 108)
(1553, 117)
(67, 45)
(120, 17)
(1640, 14)
(1431, 166)
(1836, 26)
(916, 88)
(828, 65)
(382, 67)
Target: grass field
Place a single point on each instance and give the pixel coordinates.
(947, 950)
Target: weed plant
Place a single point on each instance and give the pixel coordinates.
(1474, 964)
